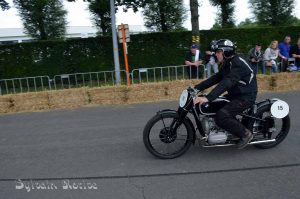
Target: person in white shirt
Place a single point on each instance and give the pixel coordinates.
(270, 56)
(193, 62)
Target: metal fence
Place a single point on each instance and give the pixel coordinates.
(26, 84)
(167, 73)
(96, 79)
(91, 79)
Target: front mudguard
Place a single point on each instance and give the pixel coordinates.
(186, 118)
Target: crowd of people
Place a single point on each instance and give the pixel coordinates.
(277, 57)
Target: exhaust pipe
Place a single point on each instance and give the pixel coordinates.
(263, 141)
(223, 145)
(217, 145)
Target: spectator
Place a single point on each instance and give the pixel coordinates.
(256, 58)
(295, 53)
(211, 60)
(270, 56)
(284, 52)
(193, 60)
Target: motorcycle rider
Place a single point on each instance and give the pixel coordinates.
(239, 80)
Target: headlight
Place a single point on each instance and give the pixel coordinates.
(183, 98)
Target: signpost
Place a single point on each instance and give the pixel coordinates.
(115, 43)
(124, 37)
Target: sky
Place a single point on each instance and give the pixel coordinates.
(78, 15)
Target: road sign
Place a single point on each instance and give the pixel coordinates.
(124, 27)
(123, 32)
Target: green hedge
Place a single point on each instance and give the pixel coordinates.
(247, 38)
(145, 50)
(54, 57)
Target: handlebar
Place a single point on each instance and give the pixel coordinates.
(205, 105)
(194, 93)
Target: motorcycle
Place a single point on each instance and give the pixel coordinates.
(170, 133)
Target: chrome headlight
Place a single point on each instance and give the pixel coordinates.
(183, 98)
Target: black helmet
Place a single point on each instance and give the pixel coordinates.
(227, 46)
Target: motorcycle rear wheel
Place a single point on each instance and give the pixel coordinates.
(282, 127)
(163, 142)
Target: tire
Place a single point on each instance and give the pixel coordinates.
(164, 120)
(283, 126)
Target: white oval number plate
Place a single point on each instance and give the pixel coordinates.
(280, 109)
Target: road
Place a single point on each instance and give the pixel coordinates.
(100, 150)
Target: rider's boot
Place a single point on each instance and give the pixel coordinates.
(245, 140)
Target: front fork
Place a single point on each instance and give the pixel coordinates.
(177, 122)
(182, 114)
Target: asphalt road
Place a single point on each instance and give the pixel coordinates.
(100, 150)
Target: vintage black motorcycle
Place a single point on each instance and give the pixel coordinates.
(170, 133)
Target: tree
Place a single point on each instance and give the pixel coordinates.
(295, 21)
(101, 11)
(195, 21)
(272, 12)
(4, 5)
(42, 19)
(134, 4)
(225, 14)
(165, 15)
(248, 23)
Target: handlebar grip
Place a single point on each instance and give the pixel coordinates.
(205, 105)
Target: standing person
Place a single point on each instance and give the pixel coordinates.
(256, 58)
(295, 53)
(193, 60)
(211, 60)
(284, 52)
(237, 78)
(270, 56)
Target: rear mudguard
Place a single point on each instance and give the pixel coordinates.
(186, 118)
(267, 102)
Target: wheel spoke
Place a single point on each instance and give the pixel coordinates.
(164, 141)
(272, 128)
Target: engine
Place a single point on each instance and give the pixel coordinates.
(215, 134)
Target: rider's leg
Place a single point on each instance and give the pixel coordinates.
(226, 119)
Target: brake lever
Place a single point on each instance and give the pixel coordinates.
(194, 92)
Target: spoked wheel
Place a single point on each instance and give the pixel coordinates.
(273, 128)
(164, 140)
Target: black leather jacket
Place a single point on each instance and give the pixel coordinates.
(236, 77)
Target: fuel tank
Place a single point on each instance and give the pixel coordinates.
(213, 107)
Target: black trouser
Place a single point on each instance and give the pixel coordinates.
(284, 65)
(258, 66)
(194, 72)
(226, 117)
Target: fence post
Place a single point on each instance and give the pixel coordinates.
(34, 84)
(49, 83)
(21, 85)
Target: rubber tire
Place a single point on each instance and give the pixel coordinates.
(285, 121)
(149, 126)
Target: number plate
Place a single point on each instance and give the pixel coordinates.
(280, 109)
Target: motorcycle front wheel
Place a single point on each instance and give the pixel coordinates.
(165, 142)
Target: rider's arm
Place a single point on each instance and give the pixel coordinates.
(227, 82)
(209, 82)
